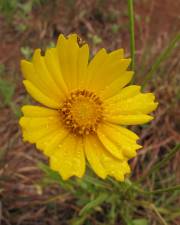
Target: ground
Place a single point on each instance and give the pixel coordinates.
(24, 196)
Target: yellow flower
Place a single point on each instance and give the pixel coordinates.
(86, 105)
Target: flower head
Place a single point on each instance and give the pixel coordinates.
(86, 105)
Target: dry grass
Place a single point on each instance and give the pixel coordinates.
(26, 196)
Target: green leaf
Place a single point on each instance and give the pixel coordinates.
(96, 39)
(26, 52)
(115, 28)
(6, 91)
(16, 109)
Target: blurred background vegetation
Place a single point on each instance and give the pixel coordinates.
(32, 194)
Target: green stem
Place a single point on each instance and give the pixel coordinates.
(132, 37)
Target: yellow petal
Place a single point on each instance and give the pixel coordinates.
(31, 75)
(53, 66)
(101, 61)
(39, 96)
(118, 140)
(73, 60)
(44, 75)
(49, 144)
(114, 149)
(35, 128)
(82, 65)
(117, 54)
(55, 141)
(102, 162)
(129, 119)
(129, 107)
(93, 155)
(93, 67)
(44, 140)
(138, 104)
(116, 85)
(125, 93)
(38, 121)
(122, 131)
(34, 122)
(105, 68)
(43, 127)
(38, 111)
(69, 158)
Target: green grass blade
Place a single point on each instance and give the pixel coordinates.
(158, 191)
(170, 189)
(94, 203)
(163, 56)
(132, 36)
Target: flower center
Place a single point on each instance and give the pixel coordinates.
(82, 112)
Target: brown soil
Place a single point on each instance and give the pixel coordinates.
(157, 21)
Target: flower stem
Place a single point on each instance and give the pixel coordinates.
(131, 28)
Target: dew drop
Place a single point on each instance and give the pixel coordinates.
(60, 146)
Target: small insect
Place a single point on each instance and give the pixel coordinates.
(80, 41)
